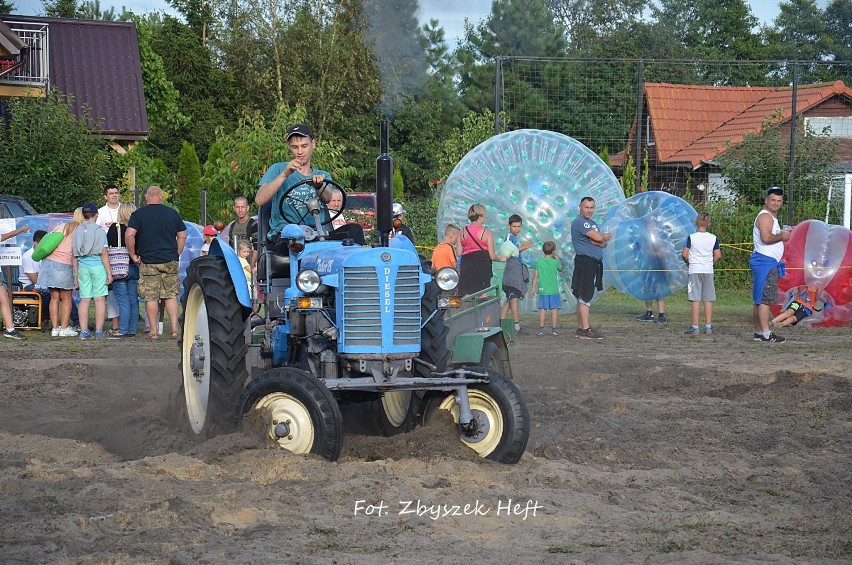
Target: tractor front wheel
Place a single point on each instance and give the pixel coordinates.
(297, 411)
(500, 428)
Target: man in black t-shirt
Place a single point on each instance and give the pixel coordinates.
(244, 227)
(155, 238)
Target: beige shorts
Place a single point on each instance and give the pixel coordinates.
(159, 280)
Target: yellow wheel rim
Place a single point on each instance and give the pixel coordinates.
(483, 406)
(285, 409)
(396, 405)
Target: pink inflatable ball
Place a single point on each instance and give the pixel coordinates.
(819, 255)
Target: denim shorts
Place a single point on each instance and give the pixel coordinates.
(55, 275)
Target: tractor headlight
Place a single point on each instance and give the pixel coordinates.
(447, 278)
(308, 281)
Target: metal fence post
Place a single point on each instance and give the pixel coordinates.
(640, 97)
(498, 74)
(793, 126)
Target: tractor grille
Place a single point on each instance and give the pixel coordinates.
(406, 313)
(365, 301)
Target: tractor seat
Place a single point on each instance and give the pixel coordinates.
(279, 255)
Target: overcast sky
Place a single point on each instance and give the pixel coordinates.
(450, 14)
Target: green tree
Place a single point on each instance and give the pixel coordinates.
(589, 23)
(244, 59)
(161, 96)
(6, 7)
(91, 10)
(476, 127)
(187, 195)
(838, 20)
(49, 156)
(61, 8)
(199, 15)
(331, 70)
(712, 30)
(628, 178)
(762, 159)
(800, 32)
(395, 40)
(398, 185)
(203, 88)
(143, 170)
(514, 27)
(239, 159)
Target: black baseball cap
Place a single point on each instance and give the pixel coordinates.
(89, 207)
(302, 130)
(774, 190)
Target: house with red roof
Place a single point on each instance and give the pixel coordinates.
(685, 127)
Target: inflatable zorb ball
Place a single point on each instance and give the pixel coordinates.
(819, 256)
(539, 175)
(643, 258)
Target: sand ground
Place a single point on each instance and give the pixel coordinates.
(648, 446)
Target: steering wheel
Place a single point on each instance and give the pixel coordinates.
(332, 216)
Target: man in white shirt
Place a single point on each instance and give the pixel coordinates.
(108, 213)
(107, 216)
(28, 271)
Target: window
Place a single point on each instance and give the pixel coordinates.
(840, 126)
(649, 136)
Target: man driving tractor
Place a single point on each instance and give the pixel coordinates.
(281, 186)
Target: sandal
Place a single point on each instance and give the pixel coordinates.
(152, 336)
(175, 335)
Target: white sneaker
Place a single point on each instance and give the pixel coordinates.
(67, 332)
(55, 332)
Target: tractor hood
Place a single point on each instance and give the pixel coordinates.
(330, 259)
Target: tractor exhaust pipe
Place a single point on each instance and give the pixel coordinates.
(384, 187)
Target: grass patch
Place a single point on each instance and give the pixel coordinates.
(675, 546)
(614, 309)
(700, 526)
(560, 549)
(819, 416)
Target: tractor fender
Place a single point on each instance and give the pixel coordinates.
(220, 248)
(474, 346)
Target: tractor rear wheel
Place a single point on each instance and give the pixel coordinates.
(213, 347)
(491, 357)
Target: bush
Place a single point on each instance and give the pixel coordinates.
(49, 156)
(421, 217)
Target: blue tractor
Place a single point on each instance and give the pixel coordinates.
(338, 325)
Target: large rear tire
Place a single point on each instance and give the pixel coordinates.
(213, 347)
(398, 411)
(491, 357)
(501, 414)
(298, 412)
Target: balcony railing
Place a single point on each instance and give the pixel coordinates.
(35, 58)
